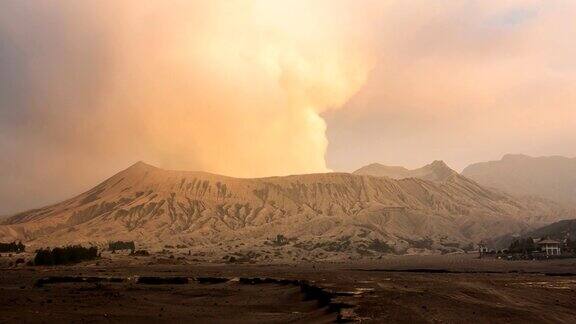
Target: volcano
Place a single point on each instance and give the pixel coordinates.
(328, 215)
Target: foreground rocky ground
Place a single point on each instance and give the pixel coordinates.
(414, 289)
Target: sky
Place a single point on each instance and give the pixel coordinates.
(253, 88)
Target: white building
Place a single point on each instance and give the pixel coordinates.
(483, 247)
(551, 247)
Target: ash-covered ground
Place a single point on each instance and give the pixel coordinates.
(397, 289)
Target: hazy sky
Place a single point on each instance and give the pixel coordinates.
(256, 88)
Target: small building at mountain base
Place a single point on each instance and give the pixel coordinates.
(483, 248)
(550, 247)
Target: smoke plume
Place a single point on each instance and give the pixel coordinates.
(247, 87)
(231, 87)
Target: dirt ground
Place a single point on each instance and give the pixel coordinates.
(400, 289)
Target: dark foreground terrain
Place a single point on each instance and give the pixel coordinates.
(409, 289)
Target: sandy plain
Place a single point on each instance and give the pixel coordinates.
(397, 289)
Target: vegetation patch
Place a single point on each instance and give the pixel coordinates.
(328, 246)
(421, 244)
(65, 255)
(280, 240)
(335, 246)
(121, 245)
(380, 246)
(523, 246)
(12, 247)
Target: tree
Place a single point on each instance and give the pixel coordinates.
(12, 247)
(65, 255)
(571, 245)
(524, 246)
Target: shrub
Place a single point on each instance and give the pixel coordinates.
(380, 246)
(12, 247)
(121, 245)
(280, 240)
(65, 255)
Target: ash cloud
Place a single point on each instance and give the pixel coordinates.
(231, 87)
(258, 88)
(463, 82)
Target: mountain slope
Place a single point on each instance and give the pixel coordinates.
(549, 177)
(559, 230)
(319, 213)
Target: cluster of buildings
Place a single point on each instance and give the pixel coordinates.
(545, 245)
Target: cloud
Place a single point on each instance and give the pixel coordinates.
(251, 87)
(231, 87)
(464, 81)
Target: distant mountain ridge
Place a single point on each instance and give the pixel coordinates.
(435, 171)
(551, 177)
(319, 215)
